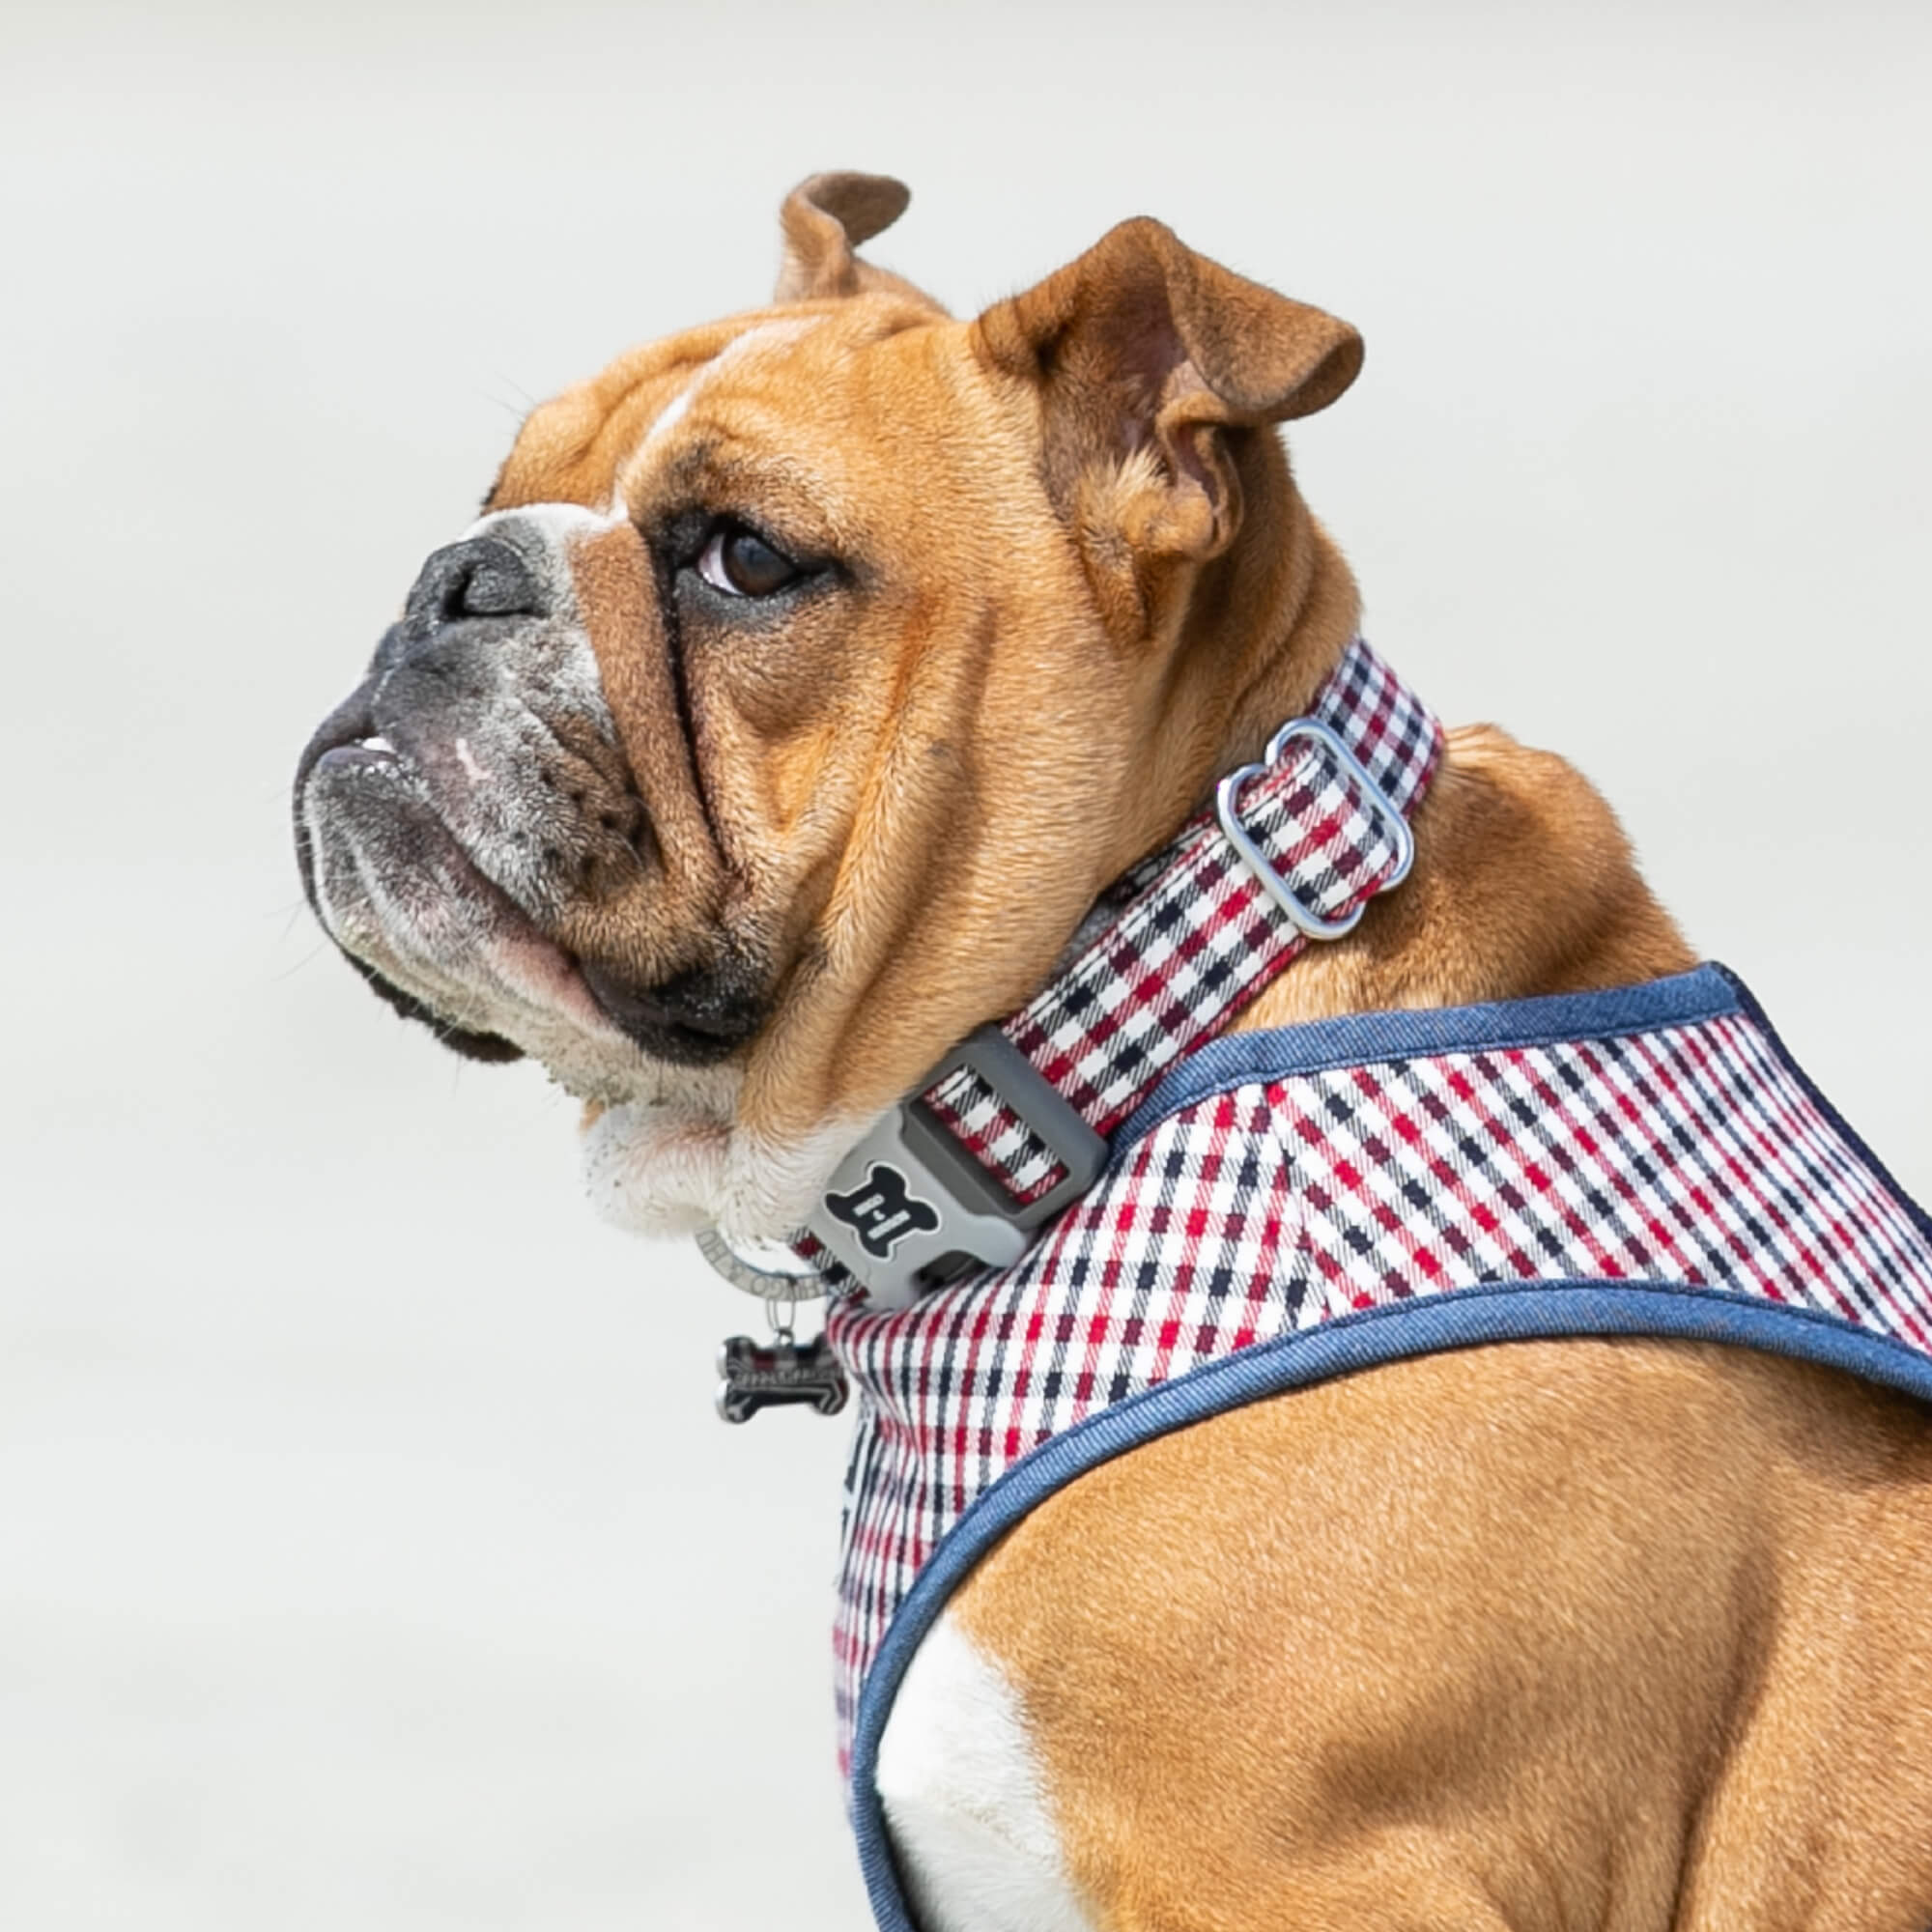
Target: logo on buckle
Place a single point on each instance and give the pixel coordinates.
(882, 1210)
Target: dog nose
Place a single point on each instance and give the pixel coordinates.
(480, 577)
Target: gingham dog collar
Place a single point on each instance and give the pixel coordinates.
(1014, 1126)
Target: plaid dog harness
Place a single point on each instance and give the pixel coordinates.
(1278, 1207)
(1300, 1204)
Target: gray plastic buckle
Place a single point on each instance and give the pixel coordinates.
(909, 1208)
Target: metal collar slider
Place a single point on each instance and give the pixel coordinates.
(1227, 798)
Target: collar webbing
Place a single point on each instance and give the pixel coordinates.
(1201, 936)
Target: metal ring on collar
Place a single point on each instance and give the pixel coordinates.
(773, 1284)
(1227, 795)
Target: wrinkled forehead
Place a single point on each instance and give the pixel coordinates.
(779, 382)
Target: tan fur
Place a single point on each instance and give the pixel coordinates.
(1585, 1634)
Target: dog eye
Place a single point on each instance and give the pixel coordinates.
(742, 564)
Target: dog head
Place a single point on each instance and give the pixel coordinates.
(807, 676)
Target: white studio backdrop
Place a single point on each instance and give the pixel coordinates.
(369, 1554)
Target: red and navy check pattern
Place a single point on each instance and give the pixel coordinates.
(1686, 1154)
(1199, 938)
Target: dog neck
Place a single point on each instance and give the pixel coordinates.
(1014, 1125)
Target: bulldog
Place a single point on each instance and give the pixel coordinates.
(820, 686)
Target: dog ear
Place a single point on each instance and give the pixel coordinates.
(825, 219)
(1152, 363)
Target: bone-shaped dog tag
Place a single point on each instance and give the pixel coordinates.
(769, 1374)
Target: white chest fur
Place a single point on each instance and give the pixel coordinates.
(966, 1801)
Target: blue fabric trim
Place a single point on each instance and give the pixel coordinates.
(1360, 1040)
(1462, 1318)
